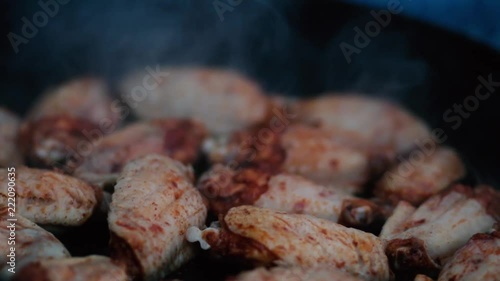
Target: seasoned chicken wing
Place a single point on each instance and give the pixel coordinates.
(176, 138)
(91, 268)
(225, 188)
(295, 274)
(420, 240)
(153, 205)
(66, 123)
(85, 98)
(55, 141)
(222, 100)
(31, 243)
(271, 237)
(302, 150)
(415, 181)
(51, 198)
(9, 128)
(377, 126)
(312, 154)
(479, 259)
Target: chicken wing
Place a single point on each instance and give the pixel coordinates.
(176, 138)
(479, 259)
(28, 241)
(420, 240)
(85, 98)
(91, 268)
(416, 180)
(225, 188)
(374, 125)
(302, 150)
(9, 128)
(222, 100)
(57, 141)
(66, 123)
(50, 198)
(271, 237)
(153, 205)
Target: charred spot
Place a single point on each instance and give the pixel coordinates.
(243, 188)
(183, 138)
(254, 152)
(408, 257)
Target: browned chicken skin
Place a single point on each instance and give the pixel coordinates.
(225, 188)
(298, 149)
(271, 237)
(177, 138)
(64, 124)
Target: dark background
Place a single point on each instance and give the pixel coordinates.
(289, 47)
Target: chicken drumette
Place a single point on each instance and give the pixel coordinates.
(152, 207)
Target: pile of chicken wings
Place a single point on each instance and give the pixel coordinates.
(204, 162)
